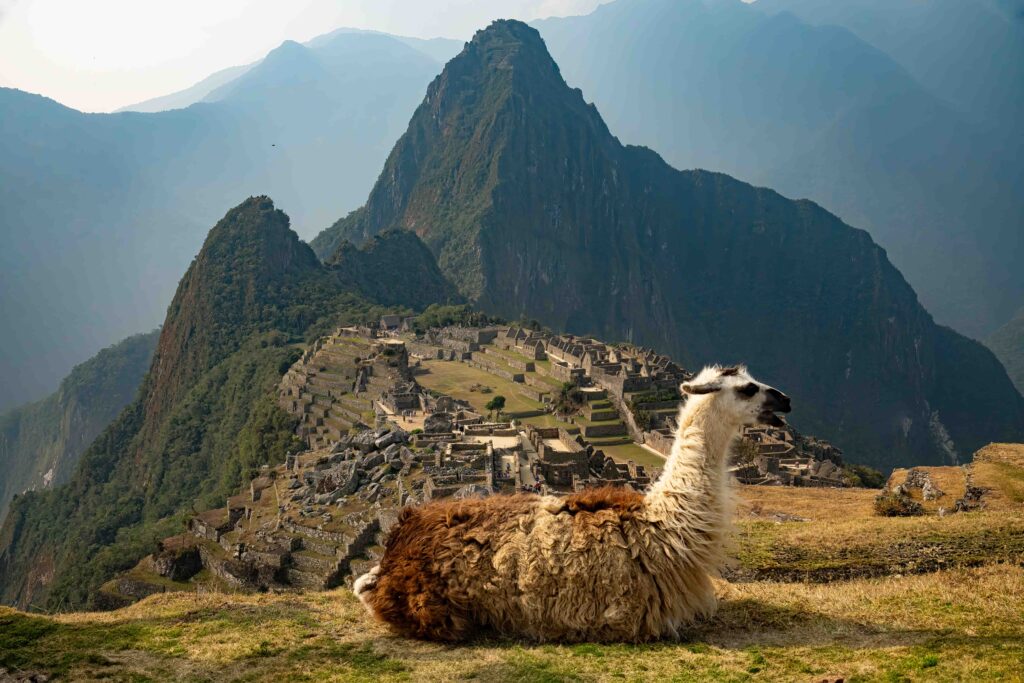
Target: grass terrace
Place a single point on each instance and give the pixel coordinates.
(455, 378)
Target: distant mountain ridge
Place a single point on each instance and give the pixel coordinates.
(206, 413)
(92, 202)
(40, 443)
(439, 49)
(534, 209)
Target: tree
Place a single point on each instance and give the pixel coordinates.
(496, 404)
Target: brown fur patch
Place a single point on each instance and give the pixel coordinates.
(621, 499)
(411, 592)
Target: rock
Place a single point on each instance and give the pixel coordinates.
(391, 438)
(437, 423)
(295, 484)
(364, 441)
(472, 491)
(379, 473)
(370, 461)
(392, 452)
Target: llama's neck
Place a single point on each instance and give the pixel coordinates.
(694, 486)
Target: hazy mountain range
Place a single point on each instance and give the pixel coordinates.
(829, 113)
(102, 212)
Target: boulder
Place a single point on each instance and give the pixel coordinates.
(437, 423)
(370, 461)
(391, 438)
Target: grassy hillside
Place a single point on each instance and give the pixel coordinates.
(947, 626)
(894, 624)
(205, 415)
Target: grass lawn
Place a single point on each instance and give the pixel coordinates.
(953, 625)
(630, 451)
(455, 379)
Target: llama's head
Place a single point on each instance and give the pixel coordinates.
(738, 396)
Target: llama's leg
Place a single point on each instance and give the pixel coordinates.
(364, 586)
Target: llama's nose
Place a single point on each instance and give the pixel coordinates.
(778, 401)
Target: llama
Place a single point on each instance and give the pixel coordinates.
(605, 564)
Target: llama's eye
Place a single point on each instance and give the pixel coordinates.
(747, 390)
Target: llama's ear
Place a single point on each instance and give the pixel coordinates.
(706, 388)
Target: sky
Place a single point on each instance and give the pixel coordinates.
(99, 55)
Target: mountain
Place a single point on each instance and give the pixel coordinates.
(438, 49)
(817, 112)
(1008, 344)
(40, 443)
(960, 68)
(205, 415)
(101, 213)
(534, 209)
(394, 268)
(190, 95)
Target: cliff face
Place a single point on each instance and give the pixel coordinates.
(206, 413)
(40, 443)
(534, 209)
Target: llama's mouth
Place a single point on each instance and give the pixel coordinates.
(768, 417)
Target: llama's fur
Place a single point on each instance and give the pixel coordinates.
(606, 564)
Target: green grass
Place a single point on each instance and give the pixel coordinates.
(945, 626)
(629, 451)
(455, 379)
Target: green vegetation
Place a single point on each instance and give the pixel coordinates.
(496, 404)
(440, 315)
(890, 504)
(864, 476)
(205, 415)
(946, 626)
(42, 442)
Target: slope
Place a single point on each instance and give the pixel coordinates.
(534, 209)
(814, 111)
(205, 415)
(40, 443)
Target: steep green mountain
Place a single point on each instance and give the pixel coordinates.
(816, 112)
(1008, 344)
(535, 210)
(92, 202)
(205, 414)
(40, 443)
(394, 268)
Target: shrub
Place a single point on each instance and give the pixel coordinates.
(889, 504)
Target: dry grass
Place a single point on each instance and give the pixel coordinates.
(954, 625)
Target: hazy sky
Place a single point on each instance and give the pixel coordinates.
(98, 55)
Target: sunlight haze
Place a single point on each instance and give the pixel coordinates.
(84, 55)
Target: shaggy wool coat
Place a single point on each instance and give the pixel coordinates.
(606, 564)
